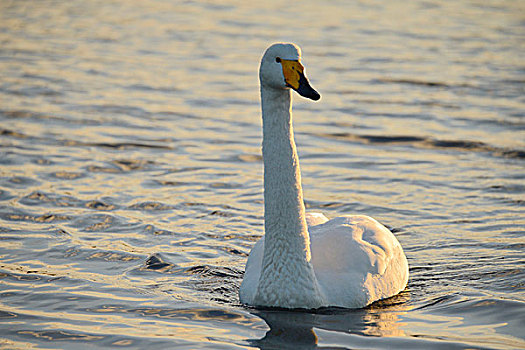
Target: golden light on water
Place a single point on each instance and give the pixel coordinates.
(131, 132)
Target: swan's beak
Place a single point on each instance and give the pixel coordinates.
(294, 77)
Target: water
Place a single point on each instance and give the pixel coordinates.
(131, 175)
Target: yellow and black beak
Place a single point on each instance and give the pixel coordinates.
(294, 77)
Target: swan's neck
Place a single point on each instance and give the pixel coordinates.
(286, 261)
(284, 212)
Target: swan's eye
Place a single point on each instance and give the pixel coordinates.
(278, 59)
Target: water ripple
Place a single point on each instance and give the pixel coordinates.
(428, 142)
(131, 176)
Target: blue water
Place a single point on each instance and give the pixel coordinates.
(131, 175)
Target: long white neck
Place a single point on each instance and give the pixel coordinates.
(284, 212)
(286, 265)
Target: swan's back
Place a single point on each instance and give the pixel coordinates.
(357, 261)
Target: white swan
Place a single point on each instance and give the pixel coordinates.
(305, 260)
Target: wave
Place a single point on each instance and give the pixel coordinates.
(429, 142)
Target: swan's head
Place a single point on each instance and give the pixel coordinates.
(281, 68)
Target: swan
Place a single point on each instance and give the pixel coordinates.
(304, 260)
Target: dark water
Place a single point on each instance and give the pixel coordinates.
(131, 176)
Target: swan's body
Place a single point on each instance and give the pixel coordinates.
(305, 260)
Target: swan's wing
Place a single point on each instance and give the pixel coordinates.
(357, 243)
(314, 219)
(357, 260)
(252, 272)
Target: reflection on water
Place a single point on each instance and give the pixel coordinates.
(130, 169)
(299, 329)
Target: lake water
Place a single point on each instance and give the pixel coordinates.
(131, 174)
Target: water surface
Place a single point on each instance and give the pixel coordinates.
(131, 175)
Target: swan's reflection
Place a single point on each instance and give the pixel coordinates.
(288, 330)
(297, 329)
